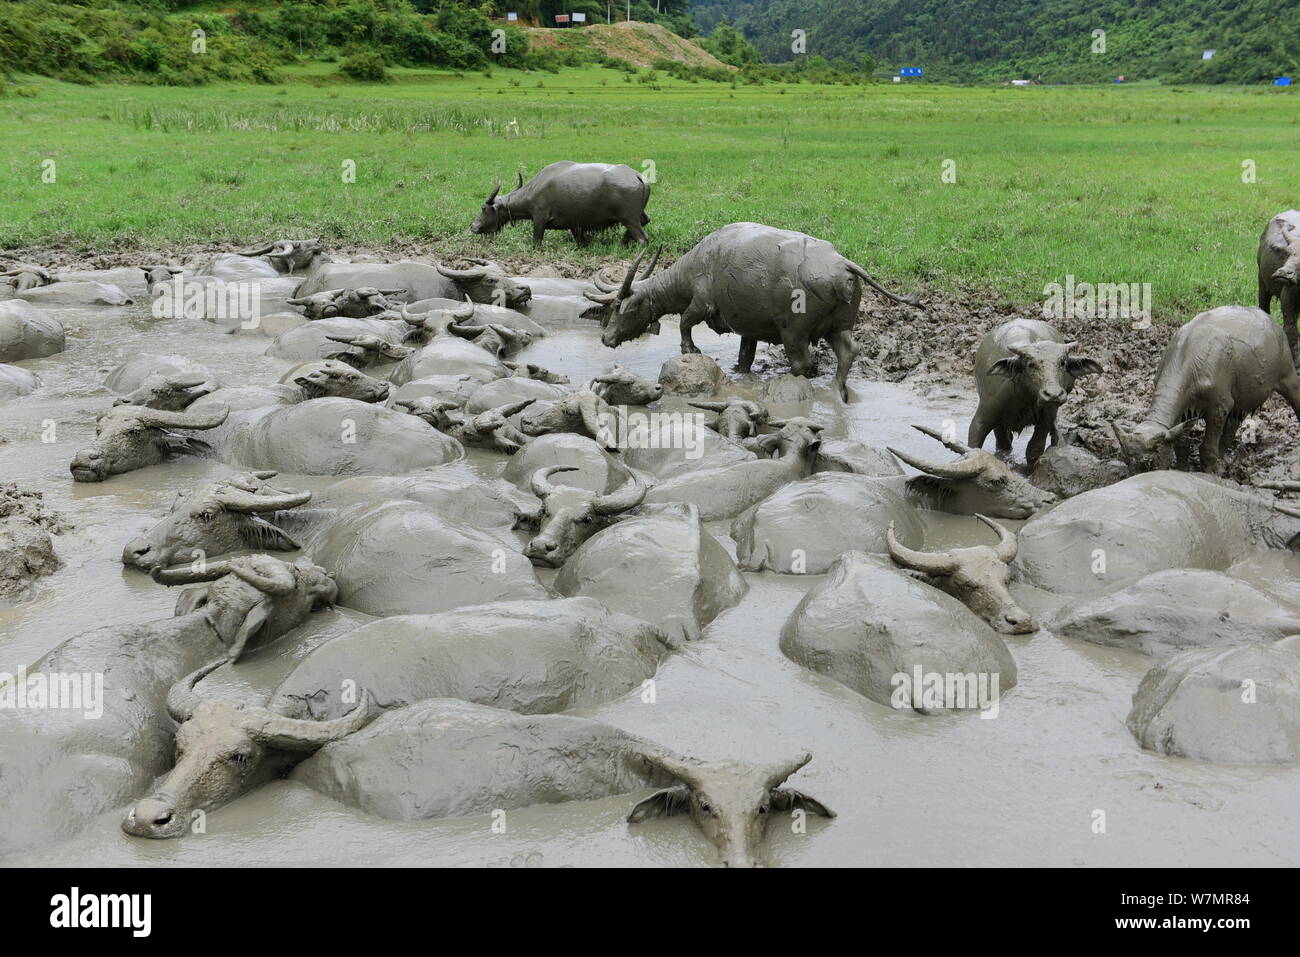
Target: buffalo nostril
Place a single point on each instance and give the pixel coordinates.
(162, 819)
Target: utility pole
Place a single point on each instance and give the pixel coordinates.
(629, 11)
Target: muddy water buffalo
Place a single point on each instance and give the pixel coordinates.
(236, 512)
(1279, 269)
(171, 392)
(487, 282)
(1220, 367)
(59, 769)
(26, 276)
(765, 284)
(580, 197)
(490, 429)
(329, 377)
(129, 437)
(738, 419)
(359, 303)
(1024, 370)
(500, 341)
(1110, 537)
(978, 482)
(622, 386)
(570, 515)
(583, 412)
(27, 332)
(289, 255)
(977, 577)
(222, 749)
(416, 280)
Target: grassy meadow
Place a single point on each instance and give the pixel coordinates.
(1111, 184)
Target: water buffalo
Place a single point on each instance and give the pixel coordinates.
(365, 349)
(737, 419)
(289, 255)
(27, 332)
(415, 279)
(25, 276)
(570, 515)
(156, 274)
(976, 576)
(530, 370)
(16, 381)
(622, 386)
(329, 377)
(1024, 370)
(487, 282)
(580, 197)
(583, 412)
(217, 518)
(59, 769)
(978, 482)
(1221, 366)
(498, 340)
(490, 429)
(765, 284)
(129, 437)
(359, 303)
(170, 392)
(1279, 269)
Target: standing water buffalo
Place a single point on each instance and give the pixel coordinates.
(1024, 371)
(766, 284)
(1279, 269)
(579, 197)
(1220, 367)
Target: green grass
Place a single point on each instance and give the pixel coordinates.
(1111, 184)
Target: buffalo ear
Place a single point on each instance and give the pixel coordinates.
(653, 328)
(257, 617)
(1083, 365)
(664, 803)
(1009, 366)
(788, 799)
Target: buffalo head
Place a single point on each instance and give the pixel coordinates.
(570, 515)
(170, 392)
(1148, 446)
(977, 577)
(331, 378)
(224, 748)
(978, 482)
(129, 437)
(487, 282)
(630, 309)
(621, 386)
(1045, 369)
(218, 518)
(730, 802)
(495, 214)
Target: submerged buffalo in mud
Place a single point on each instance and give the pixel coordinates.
(976, 576)
(765, 284)
(171, 392)
(1110, 537)
(289, 255)
(26, 276)
(59, 769)
(1279, 269)
(1221, 366)
(487, 282)
(359, 303)
(976, 483)
(1024, 370)
(571, 515)
(129, 437)
(582, 198)
(28, 333)
(215, 519)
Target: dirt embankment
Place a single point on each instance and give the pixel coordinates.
(640, 44)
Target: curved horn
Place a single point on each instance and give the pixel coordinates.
(160, 419)
(541, 480)
(268, 575)
(708, 406)
(520, 173)
(932, 563)
(962, 468)
(952, 445)
(464, 312)
(186, 575)
(653, 262)
(464, 275)
(603, 299)
(183, 380)
(630, 495)
(604, 286)
(675, 764)
(234, 499)
(626, 289)
(782, 770)
(515, 408)
(181, 699)
(494, 193)
(1007, 545)
(466, 332)
(296, 734)
(282, 248)
(346, 340)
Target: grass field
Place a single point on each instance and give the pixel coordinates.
(1110, 184)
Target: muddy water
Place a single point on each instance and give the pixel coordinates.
(1020, 789)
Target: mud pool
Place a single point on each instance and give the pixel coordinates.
(948, 789)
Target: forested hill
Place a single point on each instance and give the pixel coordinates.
(1253, 40)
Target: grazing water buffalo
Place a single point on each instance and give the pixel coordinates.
(1109, 537)
(488, 283)
(222, 749)
(1024, 370)
(977, 577)
(765, 284)
(129, 437)
(1279, 269)
(217, 518)
(978, 482)
(1220, 367)
(580, 197)
(60, 769)
(570, 515)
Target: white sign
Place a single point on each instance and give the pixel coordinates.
(512, 16)
(579, 18)
(898, 79)
(1207, 55)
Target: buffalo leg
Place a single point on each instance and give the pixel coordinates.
(1211, 460)
(1265, 297)
(1044, 428)
(796, 350)
(1003, 436)
(581, 236)
(691, 318)
(539, 231)
(979, 431)
(634, 231)
(1290, 309)
(745, 360)
(1290, 391)
(846, 350)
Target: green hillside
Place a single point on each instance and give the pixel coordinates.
(983, 40)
